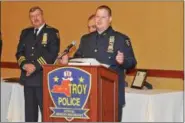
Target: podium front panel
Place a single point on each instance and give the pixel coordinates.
(101, 104)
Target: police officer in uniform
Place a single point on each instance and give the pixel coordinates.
(109, 47)
(91, 23)
(38, 45)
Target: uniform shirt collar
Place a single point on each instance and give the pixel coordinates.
(39, 29)
(107, 31)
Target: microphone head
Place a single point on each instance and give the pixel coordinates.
(73, 43)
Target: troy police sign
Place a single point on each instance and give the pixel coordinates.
(69, 88)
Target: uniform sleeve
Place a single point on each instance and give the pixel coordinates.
(20, 54)
(79, 52)
(49, 54)
(129, 57)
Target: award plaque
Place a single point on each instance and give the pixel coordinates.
(139, 79)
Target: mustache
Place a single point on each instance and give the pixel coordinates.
(36, 20)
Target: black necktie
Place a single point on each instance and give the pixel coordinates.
(35, 33)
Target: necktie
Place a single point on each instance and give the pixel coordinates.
(35, 33)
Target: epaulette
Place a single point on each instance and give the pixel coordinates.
(48, 26)
(28, 28)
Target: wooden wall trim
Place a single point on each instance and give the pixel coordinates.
(10, 65)
(160, 73)
(151, 72)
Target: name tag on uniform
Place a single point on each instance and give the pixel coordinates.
(44, 38)
(110, 48)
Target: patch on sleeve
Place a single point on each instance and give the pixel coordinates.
(58, 36)
(127, 42)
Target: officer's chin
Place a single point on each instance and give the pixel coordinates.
(99, 28)
(36, 24)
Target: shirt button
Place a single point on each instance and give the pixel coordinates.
(32, 54)
(32, 48)
(95, 50)
(109, 57)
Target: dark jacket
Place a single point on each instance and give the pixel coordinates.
(38, 51)
(103, 47)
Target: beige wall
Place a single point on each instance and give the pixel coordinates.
(155, 28)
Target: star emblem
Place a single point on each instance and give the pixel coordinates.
(55, 79)
(81, 79)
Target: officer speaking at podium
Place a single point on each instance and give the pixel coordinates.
(38, 45)
(108, 47)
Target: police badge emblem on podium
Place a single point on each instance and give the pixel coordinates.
(69, 89)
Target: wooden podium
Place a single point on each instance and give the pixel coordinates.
(103, 98)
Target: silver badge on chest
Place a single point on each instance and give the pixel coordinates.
(44, 39)
(110, 48)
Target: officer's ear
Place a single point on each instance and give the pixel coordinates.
(110, 19)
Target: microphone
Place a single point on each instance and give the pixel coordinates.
(66, 51)
(69, 47)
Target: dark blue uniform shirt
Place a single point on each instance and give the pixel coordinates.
(104, 47)
(39, 50)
